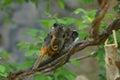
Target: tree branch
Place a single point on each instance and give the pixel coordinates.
(99, 16)
(84, 57)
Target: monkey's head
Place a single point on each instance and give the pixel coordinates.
(57, 39)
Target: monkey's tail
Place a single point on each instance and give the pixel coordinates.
(36, 65)
(39, 60)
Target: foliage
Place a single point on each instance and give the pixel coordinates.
(30, 49)
(87, 1)
(5, 67)
(116, 7)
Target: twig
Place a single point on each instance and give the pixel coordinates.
(84, 57)
(96, 22)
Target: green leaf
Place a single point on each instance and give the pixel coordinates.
(87, 1)
(92, 13)
(116, 8)
(118, 38)
(101, 73)
(10, 67)
(30, 52)
(47, 23)
(4, 74)
(52, 16)
(41, 77)
(42, 33)
(100, 56)
(31, 31)
(35, 33)
(49, 78)
(61, 3)
(86, 19)
(3, 71)
(31, 47)
(2, 68)
(82, 35)
(64, 74)
(102, 77)
(23, 45)
(66, 21)
(80, 25)
(79, 10)
(111, 16)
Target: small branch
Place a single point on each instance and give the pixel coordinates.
(99, 16)
(84, 57)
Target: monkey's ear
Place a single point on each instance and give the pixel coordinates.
(74, 34)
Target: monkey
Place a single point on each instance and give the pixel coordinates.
(57, 38)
